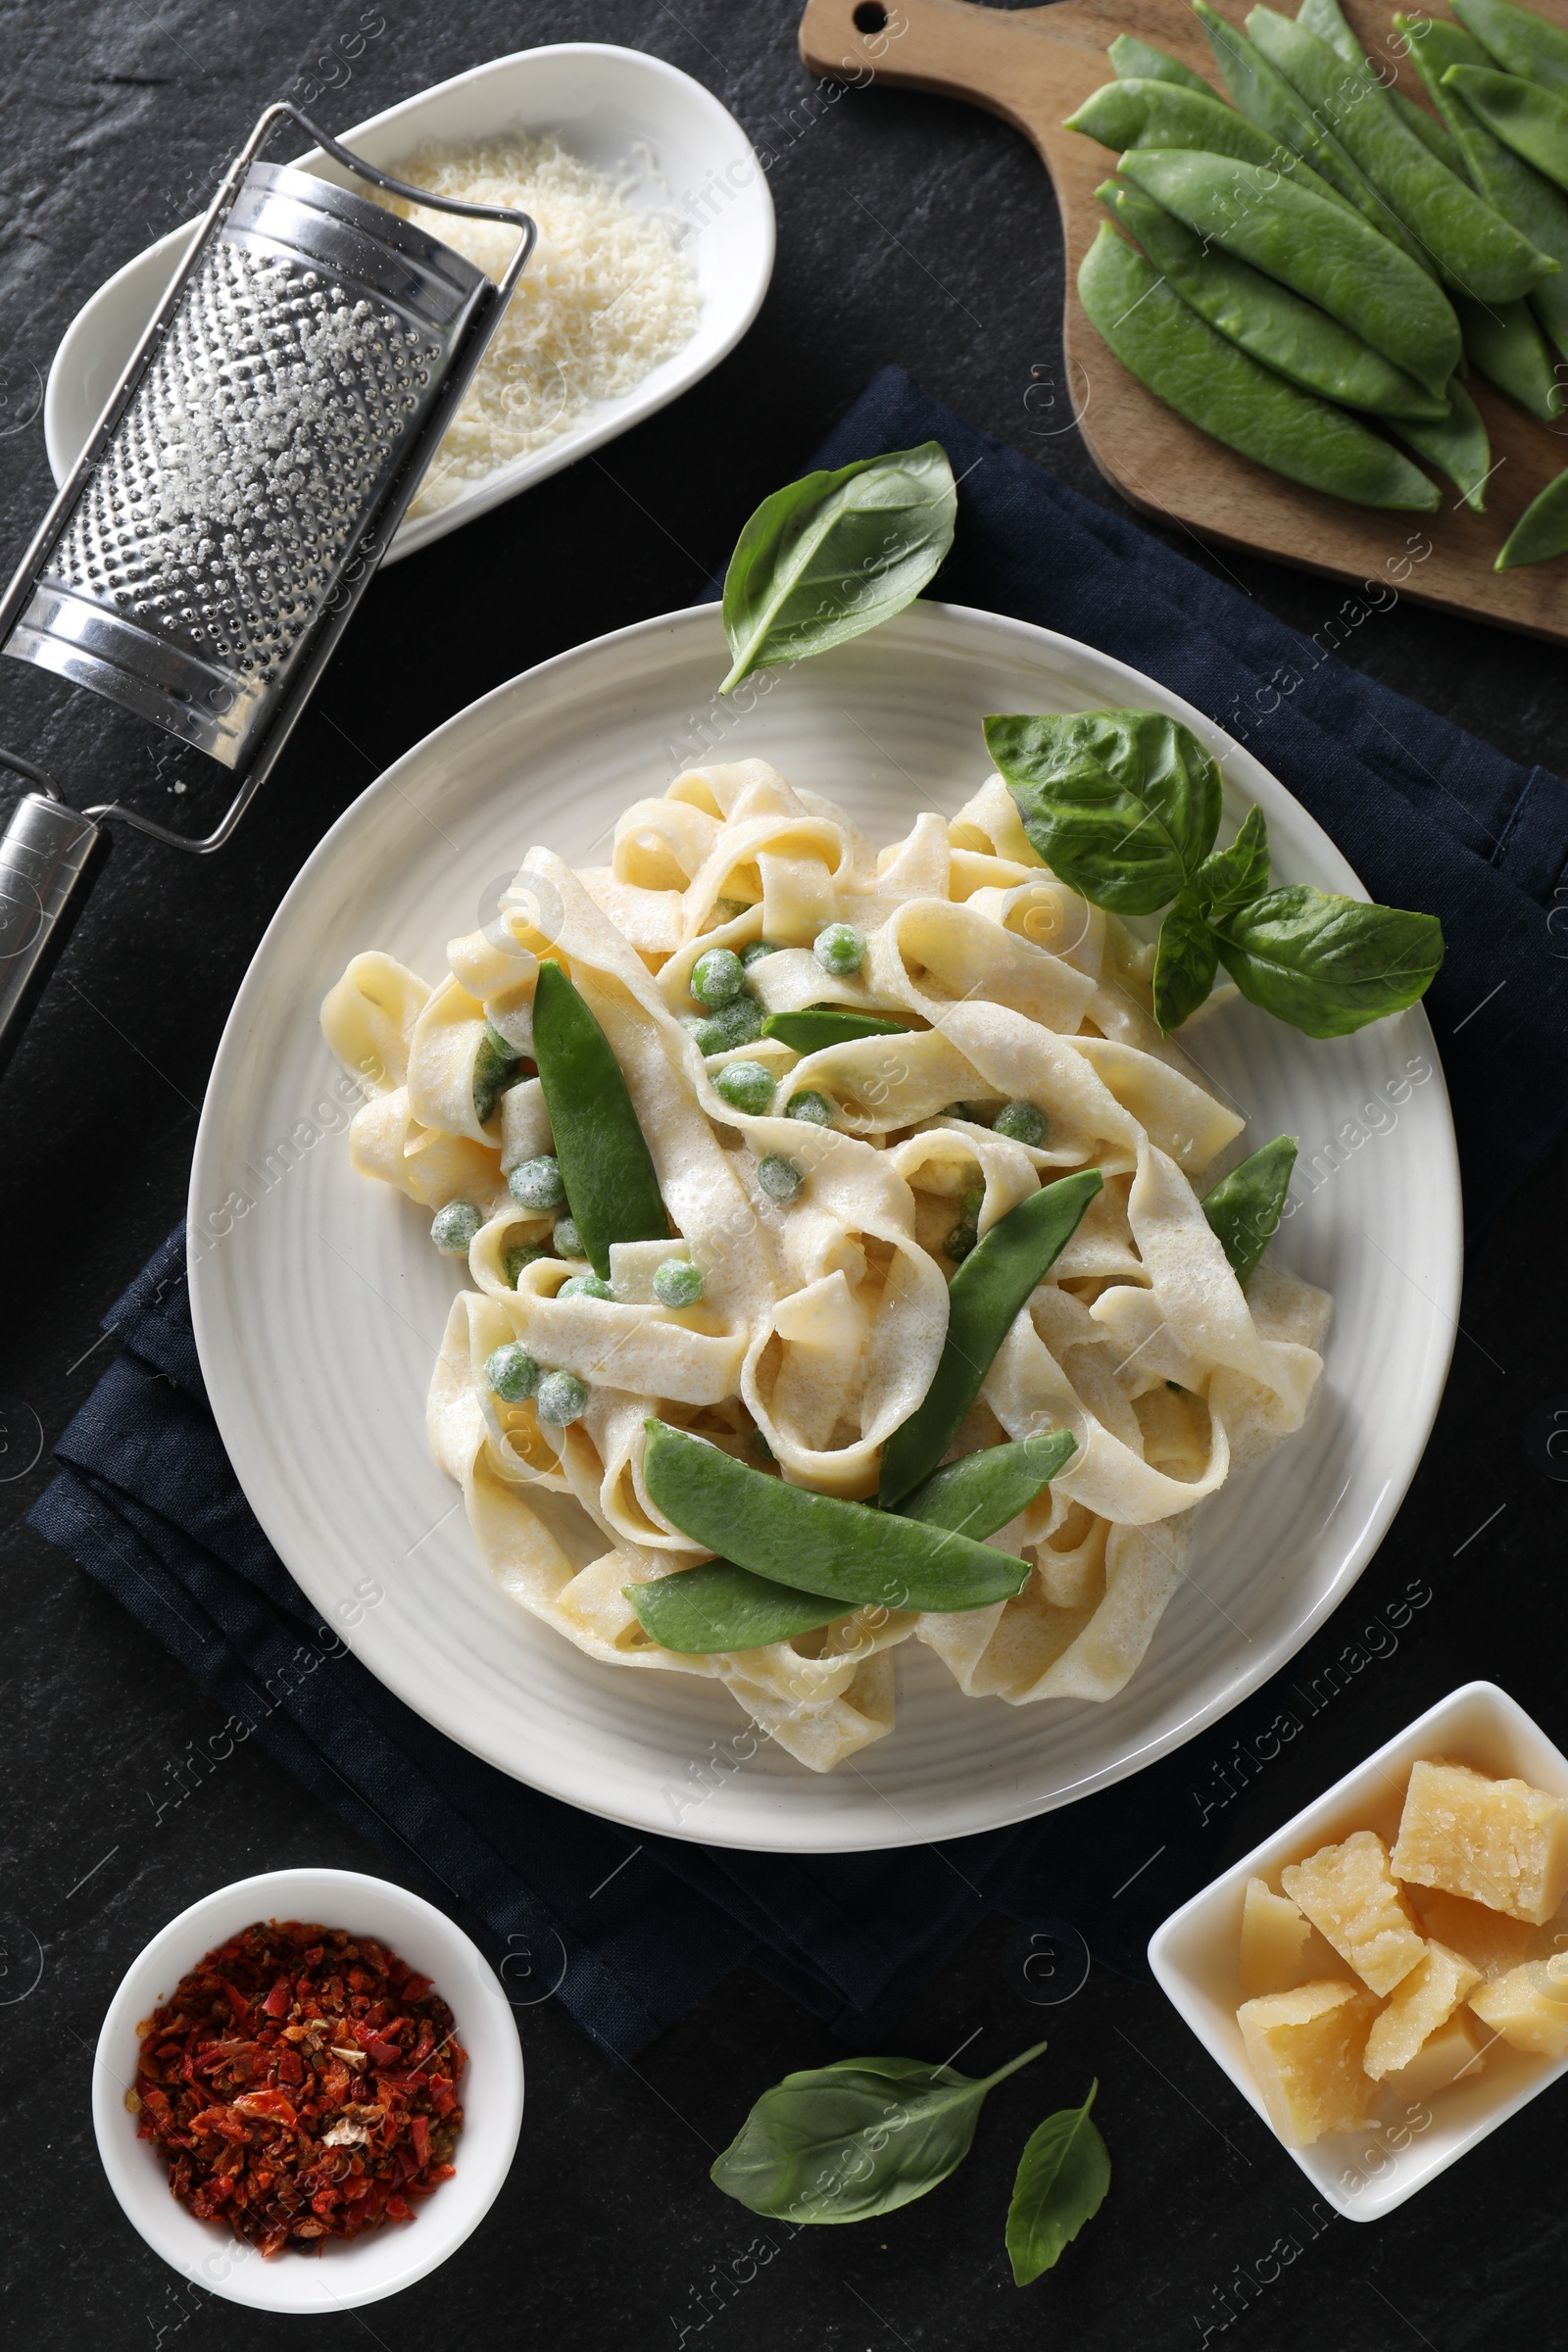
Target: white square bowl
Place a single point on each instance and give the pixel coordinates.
(1194, 1955)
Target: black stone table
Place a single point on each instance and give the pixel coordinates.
(909, 230)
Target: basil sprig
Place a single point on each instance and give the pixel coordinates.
(1063, 2174)
(1124, 806)
(833, 555)
(841, 2142)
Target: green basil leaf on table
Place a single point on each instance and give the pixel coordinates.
(1063, 2174)
(1123, 805)
(833, 555)
(1231, 878)
(1328, 964)
(840, 2143)
(1244, 1208)
(994, 1280)
(611, 1185)
(1186, 960)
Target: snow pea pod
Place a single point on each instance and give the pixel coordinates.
(1456, 443)
(823, 1025)
(1133, 60)
(1534, 123)
(1505, 341)
(1518, 190)
(1432, 135)
(1474, 247)
(1316, 249)
(1542, 530)
(1521, 41)
(1267, 99)
(986, 1292)
(1225, 392)
(843, 1552)
(604, 1161)
(1155, 114)
(981, 1493)
(1292, 336)
(1244, 1208)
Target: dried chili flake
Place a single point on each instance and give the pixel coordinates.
(303, 2084)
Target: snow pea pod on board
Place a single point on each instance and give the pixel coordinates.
(1518, 190)
(1432, 135)
(1505, 341)
(1316, 249)
(1221, 389)
(1475, 248)
(1133, 60)
(996, 1279)
(1292, 336)
(608, 1171)
(1456, 443)
(844, 1551)
(1534, 123)
(1267, 99)
(1521, 41)
(1155, 114)
(1542, 530)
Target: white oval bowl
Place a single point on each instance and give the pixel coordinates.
(319, 1306)
(384, 2261)
(603, 101)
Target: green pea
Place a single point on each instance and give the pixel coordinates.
(840, 950)
(1457, 443)
(1504, 340)
(729, 910)
(677, 1283)
(1522, 43)
(1474, 247)
(562, 1399)
(1294, 337)
(1138, 60)
(993, 1282)
(823, 1025)
(1221, 389)
(606, 1164)
(1316, 249)
(495, 1068)
(737, 1024)
(566, 1239)
(970, 1203)
(844, 1551)
(1542, 530)
(585, 1286)
(1022, 1123)
(718, 977)
(1533, 121)
(756, 949)
(511, 1372)
(747, 1086)
(981, 1493)
(960, 1242)
(452, 1228)
(520, 1254)
(537, 1183)
(811, 1106)
(781, 1179)
(1155, 114)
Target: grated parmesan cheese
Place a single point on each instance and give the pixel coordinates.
(607, 295)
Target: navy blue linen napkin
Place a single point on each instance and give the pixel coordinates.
(626, 1932)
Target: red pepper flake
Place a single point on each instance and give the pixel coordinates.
(272, 2129)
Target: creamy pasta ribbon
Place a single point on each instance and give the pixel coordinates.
(822, 1322)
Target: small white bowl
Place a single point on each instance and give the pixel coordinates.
(344, 2274)
(605, 103)
(1364, 2175)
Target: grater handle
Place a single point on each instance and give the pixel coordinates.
(45, 853)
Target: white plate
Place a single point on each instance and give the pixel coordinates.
(1365, 2174)
(384, 2261)
(605, 103)
(319, 1305)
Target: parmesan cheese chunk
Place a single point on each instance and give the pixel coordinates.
(1449, 2055)
(1305, 2050)
(1418, 2006)
(1529, 2007)
(1280, 1950)
(1502, 1842)
(1489, 1939)
(1348, 1891)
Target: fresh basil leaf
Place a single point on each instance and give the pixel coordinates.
(841, 2142)
(1243, 1208)
(1185, 961)
(832, 555)
(1123, 805)
(1327, 964)
(1229, 880)
(1063, 2174)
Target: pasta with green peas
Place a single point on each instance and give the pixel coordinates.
(995, 1042)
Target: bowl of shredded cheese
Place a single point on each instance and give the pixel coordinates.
(656, 247)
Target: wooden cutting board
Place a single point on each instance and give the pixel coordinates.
(1033, 66)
